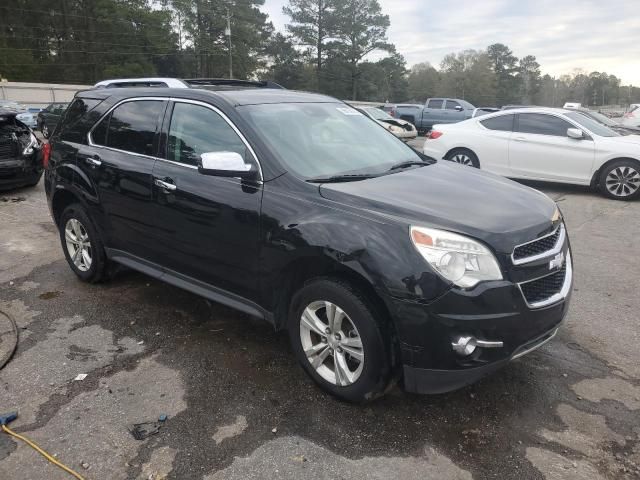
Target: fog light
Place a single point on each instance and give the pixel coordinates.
(464, 346)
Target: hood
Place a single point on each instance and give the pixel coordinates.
(498, 211)
(633, 139)
(398, 123)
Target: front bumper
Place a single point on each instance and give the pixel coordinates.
(493, 311)
(18, 172)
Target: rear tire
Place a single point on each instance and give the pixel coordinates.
(620, 180)
(341, 340)
(463, 156)
(82, 246)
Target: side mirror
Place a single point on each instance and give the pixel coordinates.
(225, 164)
(458, 108)
(575, 133)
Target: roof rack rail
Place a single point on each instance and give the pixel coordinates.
(230, 82)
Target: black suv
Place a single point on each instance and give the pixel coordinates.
(293, 207)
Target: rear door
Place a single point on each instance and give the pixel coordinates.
(433, 112)
(119, 161)
(207, 226)
(540, 149)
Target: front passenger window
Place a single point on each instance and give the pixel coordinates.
(195, 130)
(542, 124)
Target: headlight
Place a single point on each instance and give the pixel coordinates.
(459, 259)
(33, 144)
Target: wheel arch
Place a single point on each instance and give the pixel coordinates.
(306, 269)
(595, 179)
(62, 198)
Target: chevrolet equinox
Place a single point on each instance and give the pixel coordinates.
(383, 264)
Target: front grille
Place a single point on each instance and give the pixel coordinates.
(543, 288)
(7, 150)
(537, 247)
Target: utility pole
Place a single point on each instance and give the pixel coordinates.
(227, 32)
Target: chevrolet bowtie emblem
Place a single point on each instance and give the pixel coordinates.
(557, 261)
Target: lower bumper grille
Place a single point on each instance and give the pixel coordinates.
(550, 288)
(7, 150)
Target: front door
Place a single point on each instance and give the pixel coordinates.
(540, 149)
(208, 226)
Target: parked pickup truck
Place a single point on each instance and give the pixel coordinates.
(437, 110)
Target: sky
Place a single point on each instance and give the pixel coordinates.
(562, 34)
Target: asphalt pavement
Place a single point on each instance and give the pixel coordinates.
(239, 407)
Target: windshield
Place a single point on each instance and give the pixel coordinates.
(592, 125)
(326, 139)
(378, 114)
(602, 119)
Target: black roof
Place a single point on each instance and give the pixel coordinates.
(235, 97)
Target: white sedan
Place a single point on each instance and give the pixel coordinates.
(547, 144)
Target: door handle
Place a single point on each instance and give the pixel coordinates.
(94, 161)
(519, 139)
(170, 187)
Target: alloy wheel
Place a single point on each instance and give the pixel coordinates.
(462, 158)
(332, 343)
(78, 244)
(623, 181)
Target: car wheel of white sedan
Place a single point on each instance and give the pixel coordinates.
(463, 156)
(621, 180)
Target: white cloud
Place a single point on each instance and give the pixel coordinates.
(562, 34)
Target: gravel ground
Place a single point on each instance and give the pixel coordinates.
(239, 407)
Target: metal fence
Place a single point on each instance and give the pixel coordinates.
(38, 94)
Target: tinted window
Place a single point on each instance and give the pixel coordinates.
(435, 103)
(195, 130)
(99, 133)
(542, 124)
(451, 105)
(503, 123)
(132, 126)
(73, 128)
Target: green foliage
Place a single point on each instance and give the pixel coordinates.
(327, 48)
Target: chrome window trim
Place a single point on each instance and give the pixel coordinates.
(556, 297)
(175, 100)
(557, 248)
(536, 346)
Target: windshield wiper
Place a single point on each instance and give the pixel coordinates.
(410, 163)
(341, 178)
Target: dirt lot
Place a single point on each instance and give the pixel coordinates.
(239, 407)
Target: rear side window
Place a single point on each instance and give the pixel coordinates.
(503, 123)
(541, 124)
(435, 103)
(130, 127)
(74, 127)
(451, 105)
(195, 130)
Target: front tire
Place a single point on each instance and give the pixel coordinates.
(620, 180)
(82, 246)
(463, 156)
(341, 340)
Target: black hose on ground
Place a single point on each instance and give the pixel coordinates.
(13, 329)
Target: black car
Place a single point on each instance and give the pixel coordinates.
(49, 117)
(293, 207)
(20, 155)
